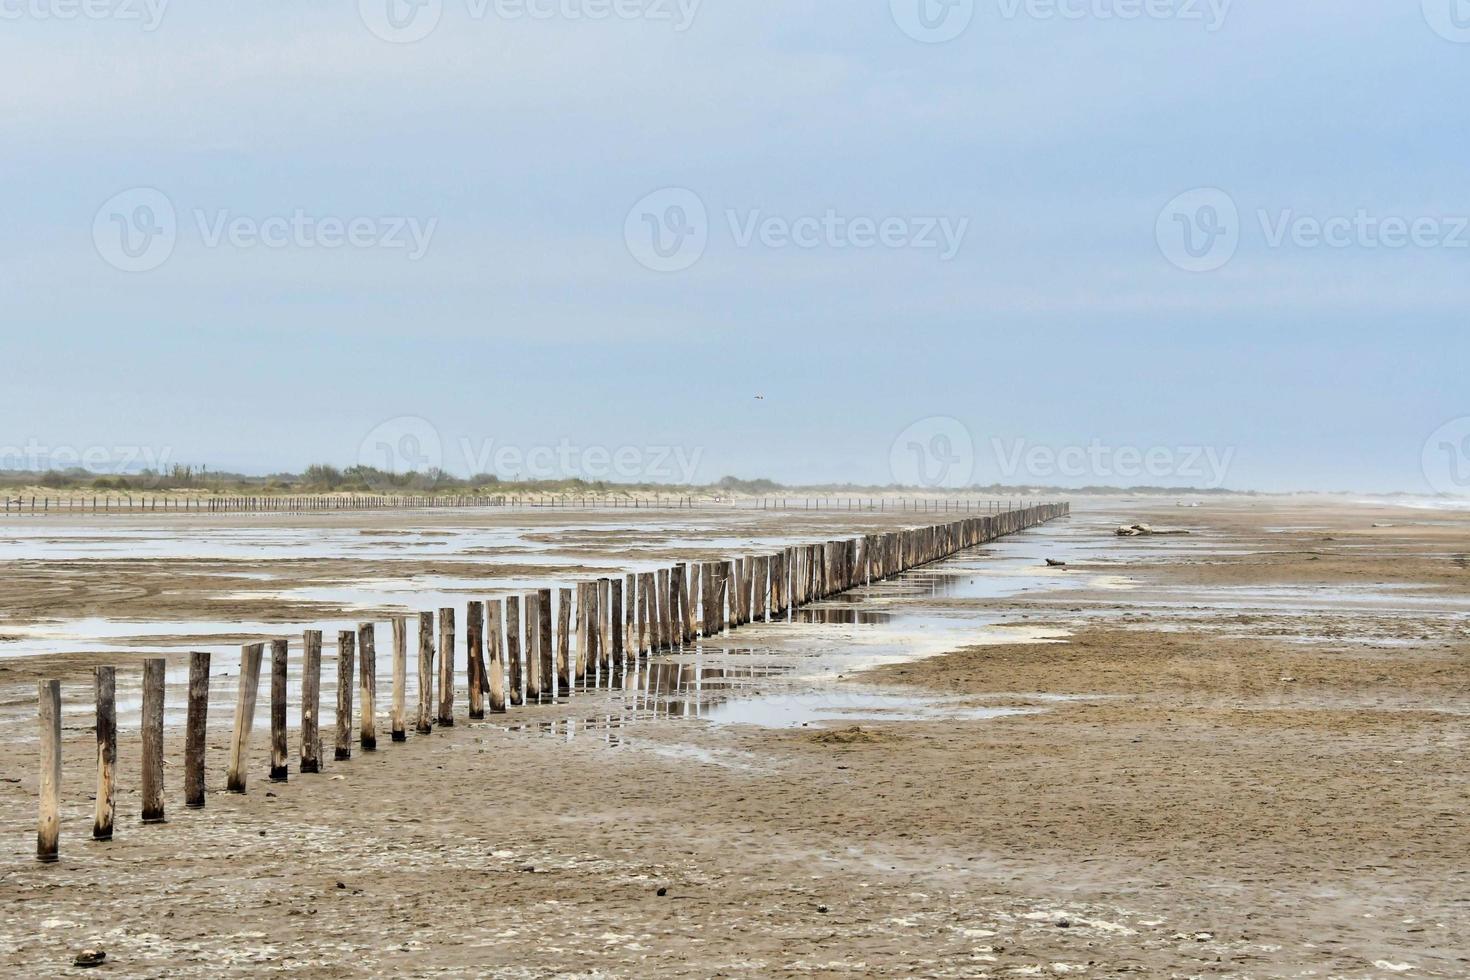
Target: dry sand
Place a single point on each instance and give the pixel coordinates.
(1263, 774)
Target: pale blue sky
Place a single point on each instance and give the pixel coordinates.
(517, 148)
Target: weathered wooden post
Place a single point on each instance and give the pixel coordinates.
(663, 623)
(250, 656)
(346, 650)
(475, 647)
(311, 702)
(544, 642)
(584, 631)
(605, 626)
(533, 647)
(426, 674)
(152, 783)
(104, 681)
(194, 738)
(686, 618)
(615, 617)
(646, 606)
(630, 614)
(495, 622)
(513, 645)
(594, 632)
(446, 668)
(278, 710)
(398, 720)
(48, 825)
(564, 642)
(367, 655)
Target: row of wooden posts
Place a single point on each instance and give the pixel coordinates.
(616, 618)
(298, 504)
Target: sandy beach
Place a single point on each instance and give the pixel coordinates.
(1237, 752)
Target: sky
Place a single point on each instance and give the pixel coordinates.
(1172, 242)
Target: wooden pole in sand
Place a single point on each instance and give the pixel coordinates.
(645, 604)
(250, 655)
(398, 719)
(152, 782)
(475, 648)
(615, 617)
(346, 649)
(564, 642)
(446, 668)
(194, 732)
(544, 643)
(605, 626)
(686, 612)
(311, 702)
(367, 670)
(533, 646)
(48, 825)
(425, 719)
(659, 609)
(104, 681)
(278, 710)
(513, 646)
(594, 631)
(583, 631)
(630, 615)
(496, 626)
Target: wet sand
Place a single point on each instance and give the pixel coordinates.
(1235, 753)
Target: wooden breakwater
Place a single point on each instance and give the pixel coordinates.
(616, 619)
(183, 503)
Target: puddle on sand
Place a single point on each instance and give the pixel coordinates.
(799, 710)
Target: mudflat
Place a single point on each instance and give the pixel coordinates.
(1237, 752)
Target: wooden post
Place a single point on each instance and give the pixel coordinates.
(48, 826)
(475, 649)
(496, 627)
(513, 646)
(367, 670)
(104, 680)
(594, 631)
(194, 732)
(605, 626)
(686, 618)
(250, 655)
(544, 642)
(346, 647)
(446, 668)
(278, 710)
(398, 717)
(152, 782)
(616, 619)
(630, 615)
(564, 642)
(584, 630)
(426, 673)
(311, 702)
(533, 646)
(646, 606)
